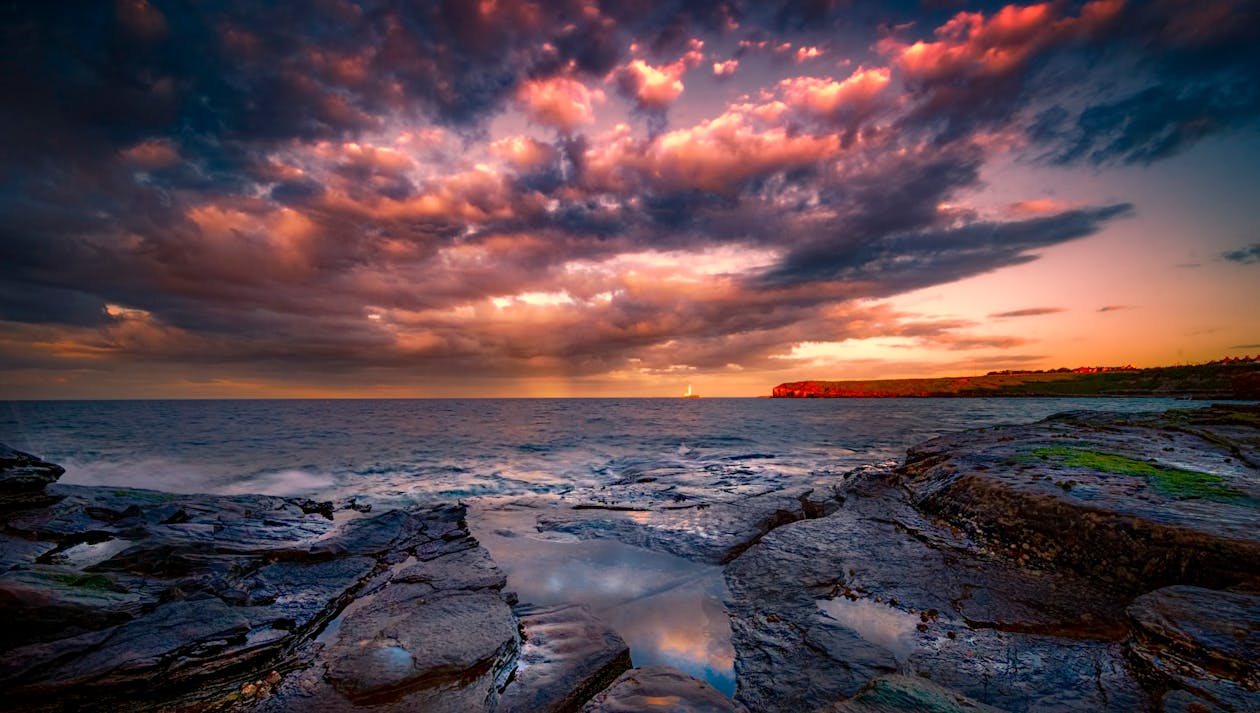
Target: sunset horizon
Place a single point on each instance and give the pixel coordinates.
(565, 199)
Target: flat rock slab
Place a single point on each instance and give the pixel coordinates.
(23, 478)
(154, 601)
(660, 688)
(1202, 641)
(408, 639)
(822, 606)
(1139, 501)
(703, 511)
(568, 656)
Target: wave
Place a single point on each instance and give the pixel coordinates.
(182, 477)
(284, 482)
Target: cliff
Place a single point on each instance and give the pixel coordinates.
(1218, 380)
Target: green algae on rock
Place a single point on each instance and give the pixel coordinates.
(972, 566)
(1153, 499)
(1168, 480)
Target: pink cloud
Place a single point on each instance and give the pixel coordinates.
(377, 158)
(522, 152)
(152, 154)
(560, 102)
(656, 87)
(715, 155)
(825, 96)
(971, 44)
(725, 69)
(652, 87)
(807, 53)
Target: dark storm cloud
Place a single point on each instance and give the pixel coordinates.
(296, 192)
(221, 79)
(24, 302)
(1243, 256)
(1202, 78)
(905, 261)
(1170, 73)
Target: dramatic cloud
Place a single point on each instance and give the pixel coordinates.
(825, 96)
(559, 102)
(377, 189)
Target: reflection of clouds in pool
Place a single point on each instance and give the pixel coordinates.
(684, 627)
(878, 623)
(638, 516)
(667, 609)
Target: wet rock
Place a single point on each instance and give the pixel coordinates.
(405, 641)
(174, 639)
(368, 536)
(17, 551)
(702, 509)
(1137, 501)
(820, 607)
(908, 694)
(568, 655)
(23, 478)
(297, 595)
(154, 601)
(469, 568)
(999, 563)
(46, 603)
(1181, 701)
(713, 526)
(660, 688)
(1204, 642)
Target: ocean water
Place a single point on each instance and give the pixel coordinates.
(490, 452)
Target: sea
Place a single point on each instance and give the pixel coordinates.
(488, 452)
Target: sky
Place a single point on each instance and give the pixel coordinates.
(378, 198)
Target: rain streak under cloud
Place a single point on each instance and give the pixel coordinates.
(581, 198)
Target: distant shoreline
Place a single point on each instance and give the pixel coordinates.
(1217, 380)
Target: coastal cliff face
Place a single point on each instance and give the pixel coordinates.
(1089, 561)
(1230, 380)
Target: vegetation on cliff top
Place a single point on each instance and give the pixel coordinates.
(1234, 380)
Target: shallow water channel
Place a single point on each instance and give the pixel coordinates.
(668, 609)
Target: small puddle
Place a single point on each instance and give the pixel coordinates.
(85, 555)
(880, 624)
(668, 609)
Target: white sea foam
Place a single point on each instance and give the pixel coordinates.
(148, 473)
(179, 477)
(284, 482)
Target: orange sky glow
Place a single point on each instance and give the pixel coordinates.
(567, 199)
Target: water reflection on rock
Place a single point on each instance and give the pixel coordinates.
(667, 609)
(878, 623)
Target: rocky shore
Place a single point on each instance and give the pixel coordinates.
(1090, 561)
